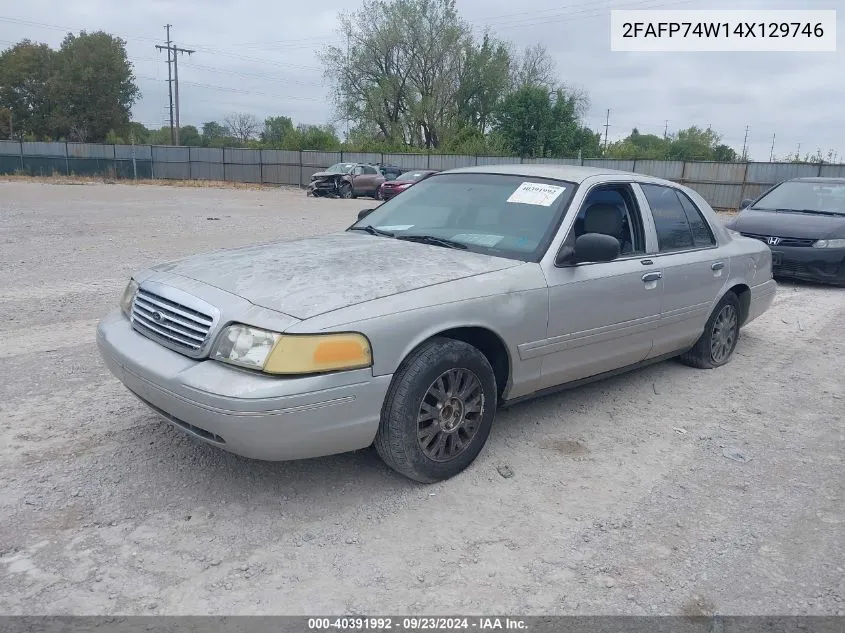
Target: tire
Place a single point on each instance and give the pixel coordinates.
(417, 403)
(716, 346)
(377, 195)
(345, 191)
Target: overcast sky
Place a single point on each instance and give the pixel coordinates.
(259, 56)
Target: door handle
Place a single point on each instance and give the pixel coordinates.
(717, 265)
(652, 276)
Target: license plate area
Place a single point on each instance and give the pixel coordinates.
(777, 258)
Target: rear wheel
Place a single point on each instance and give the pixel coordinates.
(716, 346)
(438, 412)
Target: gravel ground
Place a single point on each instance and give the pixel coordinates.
(622, 500)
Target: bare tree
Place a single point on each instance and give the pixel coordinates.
(243, 126)
(534, 67)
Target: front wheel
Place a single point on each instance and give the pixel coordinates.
(438, 412)
(346, 191)
(718, 342)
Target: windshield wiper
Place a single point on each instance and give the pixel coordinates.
(808, 211)
(369, 228)
(434, 241)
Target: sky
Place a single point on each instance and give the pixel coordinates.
(260, 56)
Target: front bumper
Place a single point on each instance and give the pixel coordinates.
(826, 265)
(250, 414)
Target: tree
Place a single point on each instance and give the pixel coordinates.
(213, 133)
(25, 70)
(243, 126)
(189, 136)
(315, 137)
(534, 68)
(484, 79)
(92, 86)
(523, 118)
(401, 73)
(138, 133)
(277, 130)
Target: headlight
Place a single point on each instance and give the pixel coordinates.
(838, 243)
(275, 353)
(128, 297)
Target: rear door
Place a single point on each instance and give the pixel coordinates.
(602, 315)
(693, 271)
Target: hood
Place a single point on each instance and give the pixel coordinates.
(784, 224)
(396, 183)
(306, 277)
(326, 174)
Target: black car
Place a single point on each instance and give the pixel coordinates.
(803, 222)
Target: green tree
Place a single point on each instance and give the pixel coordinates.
(214, 134)
(189, 136)
(92, 86)
(138, 133)
(523, 119)
(25, 70)
(317, 137)
(277, 130)
(483, 81)
(401, 73)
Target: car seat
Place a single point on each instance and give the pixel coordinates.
(607, 219)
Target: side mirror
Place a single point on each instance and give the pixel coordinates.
(745, 203)
(364, 213)
(590, 247)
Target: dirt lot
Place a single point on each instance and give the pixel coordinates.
(104, 509)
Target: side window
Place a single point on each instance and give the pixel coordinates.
(612, 210)
(370, 170)
(357, 171)
(701, 233)
(670, 219)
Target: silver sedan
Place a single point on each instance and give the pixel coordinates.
(475, 289)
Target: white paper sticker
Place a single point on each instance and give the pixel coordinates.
(397, 227)
(536, 193)
(479, 240)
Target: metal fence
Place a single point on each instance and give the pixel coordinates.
(723, 185)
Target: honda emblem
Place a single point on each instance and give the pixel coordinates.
(773, 241)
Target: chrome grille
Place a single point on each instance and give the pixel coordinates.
(170, 321)
(784, 241)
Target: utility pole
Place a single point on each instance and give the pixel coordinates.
(798, 153)
(606, 128)
(666, 130)
(173, 83)
(745, 144)
(772, 153)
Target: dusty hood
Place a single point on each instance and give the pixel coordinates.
(307, 277)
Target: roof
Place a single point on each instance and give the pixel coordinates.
(822, 179)
(572, 173)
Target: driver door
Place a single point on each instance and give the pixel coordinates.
(602, 315)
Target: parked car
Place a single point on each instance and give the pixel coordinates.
(389, 172)
(803, 222)
(403, 181)
(476, 289)
(346, 180)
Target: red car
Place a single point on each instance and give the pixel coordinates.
(403, 181)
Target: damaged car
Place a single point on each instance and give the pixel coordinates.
(346, 180)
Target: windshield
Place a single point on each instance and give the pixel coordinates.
(818, 197)
(340, 168)
(411, 175)
(507, 216)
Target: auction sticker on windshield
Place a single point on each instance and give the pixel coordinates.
(536, 193)
(479, 240)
